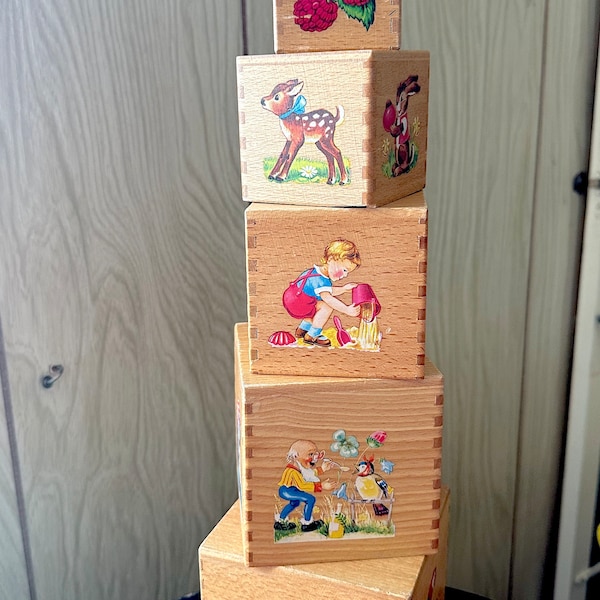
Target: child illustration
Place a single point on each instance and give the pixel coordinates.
(298, 483)
(312, 297)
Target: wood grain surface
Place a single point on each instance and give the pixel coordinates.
(354, 87)
(570, 60)
(284, 241)
(344, 33)
(577, 553)
(502, 260)
(122, 258)
(119, 136)
(274, 411)
(13, 568)
(224, 575)
(480, 187)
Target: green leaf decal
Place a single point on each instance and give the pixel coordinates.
(365, 13)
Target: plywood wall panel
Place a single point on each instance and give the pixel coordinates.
(570, 59)
(121, 257)
(258, 18)
(13, 567)
(485, 89)
(499, 325)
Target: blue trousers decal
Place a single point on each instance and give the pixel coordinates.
(295, 497)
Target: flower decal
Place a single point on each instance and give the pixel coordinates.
(415, 127)
(308, 172)
(347, 446)
(387, 466)
(376, 439)
(341, 492)
(386, 147)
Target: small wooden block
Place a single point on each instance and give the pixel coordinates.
(335, 468)
(223, 575)
(368, 26)
(387, 337)
(333, 128)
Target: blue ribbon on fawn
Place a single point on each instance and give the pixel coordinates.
(297, 107)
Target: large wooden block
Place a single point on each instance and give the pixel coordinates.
(330, 25)
(376, 329)
(333, 128)
(224, 576)
(336, 468)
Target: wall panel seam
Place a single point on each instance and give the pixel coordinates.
(16, 466)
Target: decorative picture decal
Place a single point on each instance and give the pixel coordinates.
(298, 484)
(298, 126)
(312, 298)
(318, 15)
(403, 155)
(319, 498)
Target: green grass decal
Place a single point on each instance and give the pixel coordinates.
(387, 167)
(306, 171)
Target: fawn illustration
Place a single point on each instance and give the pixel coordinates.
(316, 126)
(399, 128)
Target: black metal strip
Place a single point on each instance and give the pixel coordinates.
(244, 28)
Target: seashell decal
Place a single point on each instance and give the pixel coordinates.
(282, 338)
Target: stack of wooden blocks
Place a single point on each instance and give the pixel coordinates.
(339, 411)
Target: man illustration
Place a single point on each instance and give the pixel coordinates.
(299, 482)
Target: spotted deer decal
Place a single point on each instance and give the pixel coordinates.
(315, 126)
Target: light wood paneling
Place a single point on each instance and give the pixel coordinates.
(120, 163)
(569, 64)
(500, 319)
(13, 569)
(484, 105)
(122, 258)
(258, 16)
(580, 490)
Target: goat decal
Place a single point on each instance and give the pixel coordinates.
(403, 156)
(300, 126)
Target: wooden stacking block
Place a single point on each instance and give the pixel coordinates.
(330, 25)
(335, 468)
(358, 275)
(223, 575)
(333, 128)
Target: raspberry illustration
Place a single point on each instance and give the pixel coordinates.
(315, 15)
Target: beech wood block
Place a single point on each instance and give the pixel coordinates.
(307, 26)
(333, 128)
(224, 576)
(376, 329)
(335, 468)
